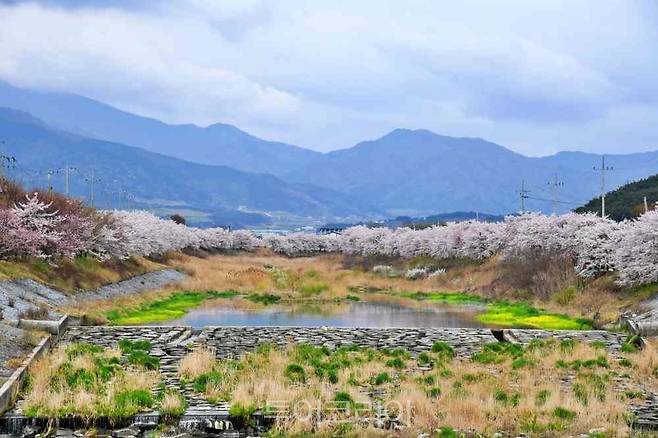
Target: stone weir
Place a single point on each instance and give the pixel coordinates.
(171, 344)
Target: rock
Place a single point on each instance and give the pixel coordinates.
(30, 431)
(125, 433)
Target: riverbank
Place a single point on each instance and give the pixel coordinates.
(26, 299)
(329, 279)
(495, 313)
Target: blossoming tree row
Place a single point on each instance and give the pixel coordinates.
(33, 228)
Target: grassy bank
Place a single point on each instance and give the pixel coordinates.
(80, 273)
(504, 388)
(172, 307)
(87, 381)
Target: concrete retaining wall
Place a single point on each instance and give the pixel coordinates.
(9, 390)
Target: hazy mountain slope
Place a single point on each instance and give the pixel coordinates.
(218, 144)
(153, 179)
(419, 172)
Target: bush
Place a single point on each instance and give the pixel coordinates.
(265, 299)
(396, 362)
(382, 378)
(40, 312)
(563, 414)
(142, 359)
(443, 350)
(313, 288)
(295, 373)
(344, 401)
(540, 272)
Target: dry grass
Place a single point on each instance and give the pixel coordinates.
(14, 362)
(69, 381)
(506, 395)
(258, 273)
(198, 362)
(80, 273)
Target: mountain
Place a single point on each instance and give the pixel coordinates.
(418, 172)
(627, 201)
(219, 194)
(404, 173)
(218, 144)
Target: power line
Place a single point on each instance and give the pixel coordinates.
(554, 201)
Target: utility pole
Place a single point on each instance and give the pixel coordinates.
(50, 185)
(5, 160)
(603, 169)
(523, 194)
(67, 179)
(646, 205)
(93, 180)
(554, 187)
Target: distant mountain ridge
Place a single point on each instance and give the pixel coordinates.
(404, 173)
(217, 144)
(418, 172)
(157, 181)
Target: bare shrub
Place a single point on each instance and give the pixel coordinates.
(39, 312)
(540, 273)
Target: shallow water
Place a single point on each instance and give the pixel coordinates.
(352, 314)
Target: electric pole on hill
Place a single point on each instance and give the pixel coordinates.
(523, 194)
(554, 187)
(603, 169)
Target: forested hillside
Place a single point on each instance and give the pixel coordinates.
(627, 201)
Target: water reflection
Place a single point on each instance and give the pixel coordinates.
(357, 314)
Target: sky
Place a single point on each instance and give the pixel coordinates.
(536, 76)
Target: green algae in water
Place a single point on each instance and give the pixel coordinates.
(172, 307)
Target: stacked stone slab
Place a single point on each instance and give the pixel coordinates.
(234, 341)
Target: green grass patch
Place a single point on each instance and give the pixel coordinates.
(295, 373)
(173, 307)
(265, 299)
(446, 297)
(313, 288)
(507, 314)
(503, 313)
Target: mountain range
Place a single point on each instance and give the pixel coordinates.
(224, 175)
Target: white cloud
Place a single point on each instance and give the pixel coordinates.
(536, 76)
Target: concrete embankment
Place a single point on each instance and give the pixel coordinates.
(23, 300)
(19, 297)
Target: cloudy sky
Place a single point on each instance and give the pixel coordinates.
(537, 76)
